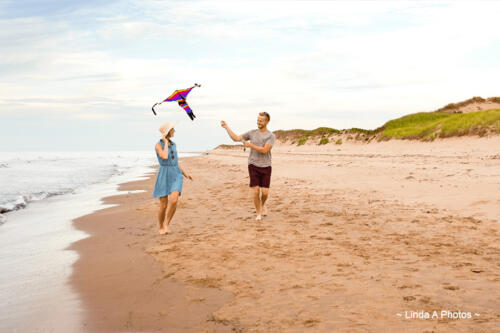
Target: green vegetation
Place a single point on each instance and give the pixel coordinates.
(323, 131)
(302, 140)
(284, 135)
(446, 122)
(428, 126)
(363, 131)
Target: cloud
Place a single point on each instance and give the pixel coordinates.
(94, 116)
(327, 63)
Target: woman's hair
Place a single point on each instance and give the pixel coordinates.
(266, 115)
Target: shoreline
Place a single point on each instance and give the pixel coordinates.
(36, 261)
(373, 232)
(121, 286)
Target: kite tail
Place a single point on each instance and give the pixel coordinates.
(191, 115)
(153, 108)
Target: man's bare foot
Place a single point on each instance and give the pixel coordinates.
(264, 211)
(258, 218)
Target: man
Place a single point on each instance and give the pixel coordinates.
(259, 160)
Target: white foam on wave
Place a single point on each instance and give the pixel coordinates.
(27, 177)
(21, 201)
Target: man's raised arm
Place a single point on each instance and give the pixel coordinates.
(232, 135)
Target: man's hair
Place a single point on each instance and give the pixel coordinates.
(266, 115)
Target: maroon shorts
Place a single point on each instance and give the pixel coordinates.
(259, 176)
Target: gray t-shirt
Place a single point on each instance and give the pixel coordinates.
(259, 139)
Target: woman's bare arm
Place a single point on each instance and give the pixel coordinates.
(187, 175)
(162, 152)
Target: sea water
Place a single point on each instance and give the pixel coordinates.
(32, 176)
(40, 194)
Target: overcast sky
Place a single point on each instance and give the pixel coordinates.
(84, 74)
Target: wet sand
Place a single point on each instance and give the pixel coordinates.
(122, 287)
(357, 236)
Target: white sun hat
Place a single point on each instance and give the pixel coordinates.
(165, 128)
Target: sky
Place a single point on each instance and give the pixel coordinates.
(83, 75)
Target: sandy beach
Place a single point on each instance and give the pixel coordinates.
(376, 123)
(358, 238)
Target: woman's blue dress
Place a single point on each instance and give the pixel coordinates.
(169, 176)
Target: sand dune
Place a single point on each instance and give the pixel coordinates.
(472, 105)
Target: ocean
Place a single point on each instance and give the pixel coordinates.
(26, 177)
(40, 194)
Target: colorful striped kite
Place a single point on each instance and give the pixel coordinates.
(180, 96)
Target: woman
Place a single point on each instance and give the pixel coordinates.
(168, 185)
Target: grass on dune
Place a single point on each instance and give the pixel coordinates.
(419, 126)
(428, 126)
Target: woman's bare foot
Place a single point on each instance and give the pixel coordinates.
(264, 211)
(161, 231)
(167, 231)
(258, 218)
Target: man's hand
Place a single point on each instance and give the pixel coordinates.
(246, 144)
(234, 137)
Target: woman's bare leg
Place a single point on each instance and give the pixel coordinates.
(171, 207)
(161, 213)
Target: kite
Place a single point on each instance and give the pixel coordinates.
(180, 96)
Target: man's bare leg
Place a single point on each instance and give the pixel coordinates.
(172, 206)
(256, 201)
(265, 194)
(161, 214)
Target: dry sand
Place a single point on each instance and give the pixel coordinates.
(356, 234)
(473, 107)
